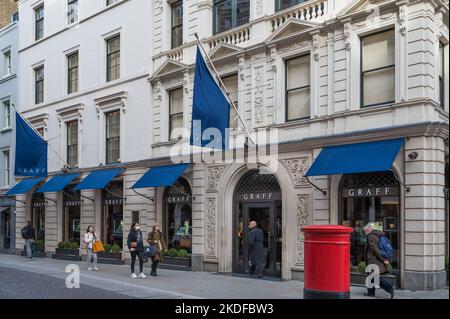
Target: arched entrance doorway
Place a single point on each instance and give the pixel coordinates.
(371, 198)
(257, 197)
(177, 221)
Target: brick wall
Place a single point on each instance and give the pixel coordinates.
(7, 8)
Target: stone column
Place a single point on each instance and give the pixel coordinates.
(424, 244)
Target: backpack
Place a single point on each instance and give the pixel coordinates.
(385, 247)
(24, 232)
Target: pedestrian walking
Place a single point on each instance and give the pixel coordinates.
(256, 250)
(375, 257)
(89, 238)
(156, 238)
(136, 246)
(29, 235)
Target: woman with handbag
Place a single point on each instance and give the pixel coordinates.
(136, 247)
(89, 239)
(156, 239)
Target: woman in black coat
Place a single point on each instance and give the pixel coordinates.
(136, 246)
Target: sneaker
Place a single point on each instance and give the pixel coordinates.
(133, 276)
(95, 268)
(142, 276)
(153, 274)
(89, 269)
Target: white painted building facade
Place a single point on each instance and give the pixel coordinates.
(254, 45)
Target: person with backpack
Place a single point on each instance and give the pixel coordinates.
(29, 235)
(379, 252)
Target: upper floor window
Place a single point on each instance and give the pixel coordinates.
(231, 83)
(112, 137)
(7, 167)
(177, 24)
(378, 69)
(72, 11)
(113, 58)
(298, 88)
(40, 130)
(72, 143)
(175, 114)
(109, 2)
(229, 14)
(442, 67)
(6, 114)
(39, 22)
(39, 85)
(72, 73)
(7, 63)
(284, 4)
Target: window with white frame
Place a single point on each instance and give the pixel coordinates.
(298, 88)
(229, 14)
(113, 58)
(378, 69)
(39, 84)
(177, 23)
(72, 11)
(7, 63)
(112, 137)
(7, 167)
(72, 143)
(231, 83)
(442, 67)
(6, 108)
(72, 73)
(39, 22)
(175, 114)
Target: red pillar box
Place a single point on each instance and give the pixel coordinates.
(327, 262)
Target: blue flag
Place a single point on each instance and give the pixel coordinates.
(210, 110)
(31, 150)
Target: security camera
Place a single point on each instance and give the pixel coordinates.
(413, 155)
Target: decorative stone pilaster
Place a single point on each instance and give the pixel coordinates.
(302, 220)
(211, 228)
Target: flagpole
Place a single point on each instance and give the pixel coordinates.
(37, 132)
(225, 88)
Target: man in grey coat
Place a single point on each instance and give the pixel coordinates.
(256, 250)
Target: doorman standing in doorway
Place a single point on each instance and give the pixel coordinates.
(256, 250)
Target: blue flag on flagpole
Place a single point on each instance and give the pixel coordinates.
(210, 110)
(31, 150)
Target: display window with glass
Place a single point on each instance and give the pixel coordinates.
(178, 216)
(72, 209)
(371, 198)
(38, 216)
(113, 214)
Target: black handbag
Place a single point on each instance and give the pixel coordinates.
(150, 251)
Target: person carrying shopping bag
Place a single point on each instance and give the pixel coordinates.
(136, 247)
(89, 239)
(156, 238)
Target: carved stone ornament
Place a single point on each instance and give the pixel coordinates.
(302, 220)
(298, 168)
(211, 227)
(213, 177)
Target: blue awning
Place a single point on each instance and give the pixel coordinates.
(57, 183)
(356, 158)
(161, 176)
(24, 186)
(98, 179)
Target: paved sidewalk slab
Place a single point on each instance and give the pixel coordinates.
(181, 284)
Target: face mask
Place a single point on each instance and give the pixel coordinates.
(137, 228)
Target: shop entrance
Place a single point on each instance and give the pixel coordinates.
(258, 198)
(38, 216)
(6, 231)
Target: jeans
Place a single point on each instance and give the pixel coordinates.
(91, 255)
(137, 253)
(384, 284)
(28, 243)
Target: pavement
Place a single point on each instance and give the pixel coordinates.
(44, 278)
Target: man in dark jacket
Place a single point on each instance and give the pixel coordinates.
(256, 250)
(374, 257)
(28, 235)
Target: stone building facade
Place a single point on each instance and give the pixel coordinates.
(336, 95)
